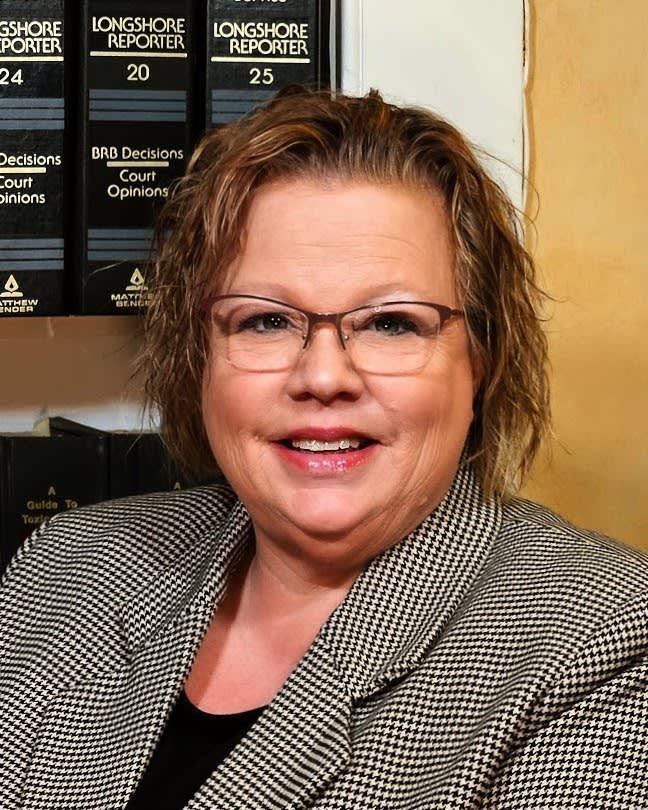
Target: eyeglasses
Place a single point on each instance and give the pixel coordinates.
(261, 334)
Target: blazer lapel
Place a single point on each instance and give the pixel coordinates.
(97, 736)
(400, 605)
(300, 744)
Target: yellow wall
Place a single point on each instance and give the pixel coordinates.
(588, 120)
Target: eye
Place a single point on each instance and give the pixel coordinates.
(390, 324)
(264, 322)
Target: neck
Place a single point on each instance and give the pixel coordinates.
(271, 613)
(277, 591)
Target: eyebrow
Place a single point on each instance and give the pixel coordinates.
(286, 294)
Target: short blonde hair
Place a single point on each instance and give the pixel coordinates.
(314, 135)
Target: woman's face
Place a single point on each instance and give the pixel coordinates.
(329, 248)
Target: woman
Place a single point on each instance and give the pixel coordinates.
(345, 320)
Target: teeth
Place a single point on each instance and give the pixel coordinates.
(318, 447)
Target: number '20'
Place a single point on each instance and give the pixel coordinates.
(138, 73)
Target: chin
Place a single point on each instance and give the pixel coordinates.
(328, 514)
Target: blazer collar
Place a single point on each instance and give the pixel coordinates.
(302, 739)
(401, 603)
(193, 585)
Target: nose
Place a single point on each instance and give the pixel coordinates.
(324, 369)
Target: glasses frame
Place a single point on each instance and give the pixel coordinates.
(335, 318)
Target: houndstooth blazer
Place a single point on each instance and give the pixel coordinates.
(495, 658)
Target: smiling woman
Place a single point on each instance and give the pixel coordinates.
(344, 319)
(326, 247)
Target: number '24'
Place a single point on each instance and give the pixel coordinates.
(7, 77)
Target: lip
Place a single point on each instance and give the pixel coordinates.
(325, 434)
(326, 464)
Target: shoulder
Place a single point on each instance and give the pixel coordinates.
(539, 539)
(562, 590)
(130, 538)
(71, 582)
(555, 593)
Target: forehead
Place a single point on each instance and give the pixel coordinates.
(343, 242)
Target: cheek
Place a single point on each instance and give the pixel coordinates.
(212, 392)
(430, 417)
(223, 415)
(236, 407)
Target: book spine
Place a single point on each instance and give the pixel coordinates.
(255, 49)
(140, 463)
(47, 475)
(32, 121)
(135, 138)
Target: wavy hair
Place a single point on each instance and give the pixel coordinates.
(306, 134)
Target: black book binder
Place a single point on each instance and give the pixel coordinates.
(33, 64)
(136, 119)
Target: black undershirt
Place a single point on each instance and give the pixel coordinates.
(192, 745)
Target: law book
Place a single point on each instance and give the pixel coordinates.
(256, 48)
(136, 132)
(32, 157)
(42, 475)
(140, 463)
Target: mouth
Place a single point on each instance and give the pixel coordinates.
(342, 445)
(326, 452)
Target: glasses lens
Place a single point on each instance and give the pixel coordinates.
(258, 335)
(392, 338)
